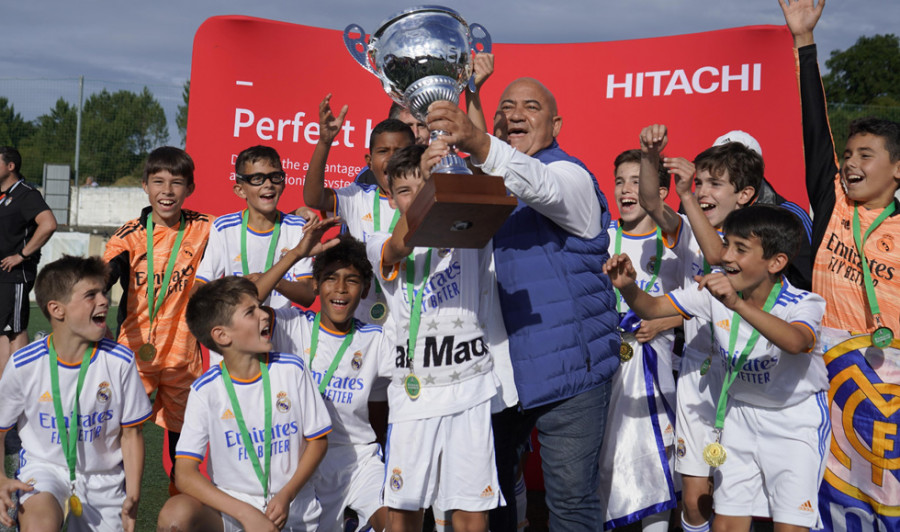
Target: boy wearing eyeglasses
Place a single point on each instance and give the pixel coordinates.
(248, 242)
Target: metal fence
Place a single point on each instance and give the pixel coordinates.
(102, 129)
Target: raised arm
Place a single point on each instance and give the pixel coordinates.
(653, 139)
(791, 337)
(484, 67)
(315, 194)
(801, 17)
(309, 246)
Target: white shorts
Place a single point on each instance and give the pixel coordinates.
(695, 413)
(303, 515)
(350, 476)
(445, 461)
(775, 461)
(101, 494)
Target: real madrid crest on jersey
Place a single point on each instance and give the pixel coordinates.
(103, 392)
(282, 403)
(651, 264)
(396, 479)
(356, 363)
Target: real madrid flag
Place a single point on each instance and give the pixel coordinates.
(861, 488)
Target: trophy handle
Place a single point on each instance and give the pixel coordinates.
(480, 36)
(353, 46)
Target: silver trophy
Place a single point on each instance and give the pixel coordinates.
(422, 55)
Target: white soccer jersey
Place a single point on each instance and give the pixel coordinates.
(112, 397)
(642, 251)
(452, 357)
(298, 415)
(354, 379)
(354, 204)
(223, 252)
(770, 377)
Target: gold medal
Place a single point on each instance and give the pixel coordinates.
(882, 337)
(625, 352)
(714, 454)
(146, 352)
(75, 505)
(412, 386)
(704, 368)
(378, 313)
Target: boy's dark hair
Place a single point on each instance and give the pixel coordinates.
(778, 229)
(257, 153)
(213, 305)
(170, 159)
(12, 155)
(634, 156)
(404, 162)
(745, 167)
(391, 125)
(56, 280)
(886, 129)
(349, 252)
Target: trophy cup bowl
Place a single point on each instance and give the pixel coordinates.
(422, 55)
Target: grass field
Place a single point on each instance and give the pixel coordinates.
(155, 485)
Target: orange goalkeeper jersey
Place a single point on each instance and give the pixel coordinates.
(126, 252)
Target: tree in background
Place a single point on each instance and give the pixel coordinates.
(118, 132)
(53, 141)
(13, 128)
(863, 80)
(181, 115)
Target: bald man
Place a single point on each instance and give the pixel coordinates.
(558, 307)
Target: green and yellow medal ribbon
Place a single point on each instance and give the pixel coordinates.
(348, 339)
(154, 303)
(262, 472)
(882, 336)
(273, 243)
(657, 264)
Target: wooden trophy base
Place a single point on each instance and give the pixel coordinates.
(458, 211)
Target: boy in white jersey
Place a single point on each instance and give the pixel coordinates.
(251, 241)
(771, 419)
(261, 416)
(343, 354)
(365, 209)
(639, 446)
(727, 178)
(90, 474)
(440, 446)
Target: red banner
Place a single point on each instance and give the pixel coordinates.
(256, 81)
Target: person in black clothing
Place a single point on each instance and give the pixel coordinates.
(26, 223)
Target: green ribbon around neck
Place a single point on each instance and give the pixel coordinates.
(262, 472)
(735, 368)
(657, 264)
(154, 303)
(415, 311)
(68, 438)
(860, 240)
(273, 243)
(348, 339)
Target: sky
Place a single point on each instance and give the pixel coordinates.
(149, 43)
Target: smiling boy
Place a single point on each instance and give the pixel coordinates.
(856, 224)
(90, 473)
(165, 244)
(772, 422)
(251, 241)
(261, 418)
(343, 355)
